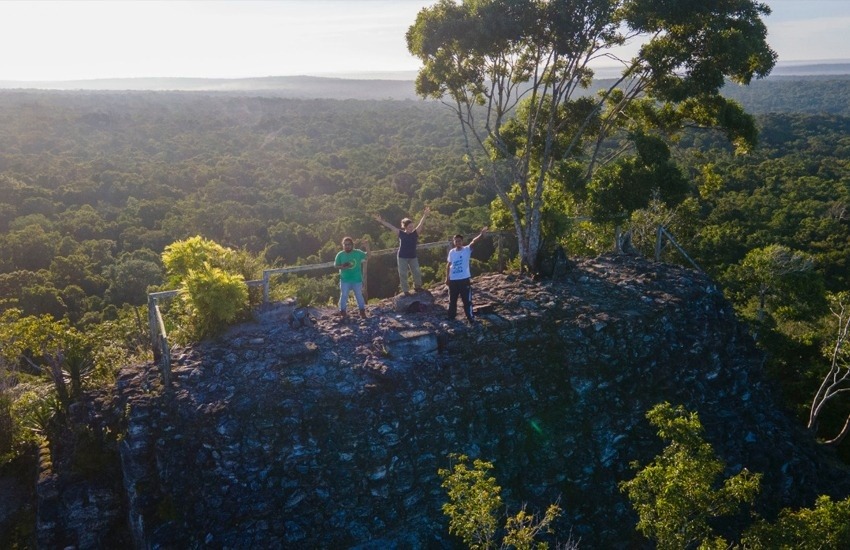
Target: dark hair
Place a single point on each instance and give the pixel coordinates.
(344, 239)
(406, 221)
(458, 236)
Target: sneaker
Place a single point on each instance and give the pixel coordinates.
(362, 313)
(418, 289)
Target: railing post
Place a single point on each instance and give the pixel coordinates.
(658, 237)
(266, 277)
(499, 261)
(165, 362)
(153, 327)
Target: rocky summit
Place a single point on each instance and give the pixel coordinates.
(311, 431)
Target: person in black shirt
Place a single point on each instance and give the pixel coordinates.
(408, 238)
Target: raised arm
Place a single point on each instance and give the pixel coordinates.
(480, 234)
(385, 223)
(422, 221)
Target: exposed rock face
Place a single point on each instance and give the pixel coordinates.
(330, 435)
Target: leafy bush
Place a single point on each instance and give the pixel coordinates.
(676, 495)
(213, 299)
(181, 257)
(826, 526)
(32, 413)
(211, 279)
(474, 504)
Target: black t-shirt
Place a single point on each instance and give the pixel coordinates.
(407, 244)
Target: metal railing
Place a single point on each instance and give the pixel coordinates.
(159, 336)
(659, 245)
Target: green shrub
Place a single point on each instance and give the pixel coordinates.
(214, 299)
(32, 412)
(474, 504)
(181, 257)
(825, 527)
(677, 494)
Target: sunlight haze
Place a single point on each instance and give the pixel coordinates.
(73, 40)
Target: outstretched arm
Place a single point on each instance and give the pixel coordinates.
(386, 224)
(422, 221)
(480, 234)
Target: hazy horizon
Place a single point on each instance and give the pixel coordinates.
(83, 40)
(783, 68)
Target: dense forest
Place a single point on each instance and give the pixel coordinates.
(95, 185)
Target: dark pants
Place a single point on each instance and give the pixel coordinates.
(461, 288)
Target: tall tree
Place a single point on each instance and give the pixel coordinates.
(516, 74)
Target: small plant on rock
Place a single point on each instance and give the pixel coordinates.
(474, 504)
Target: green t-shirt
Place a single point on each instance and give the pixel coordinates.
(353, 274)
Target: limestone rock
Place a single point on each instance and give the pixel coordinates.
(414, 302)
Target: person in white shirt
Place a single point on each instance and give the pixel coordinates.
(458, 276)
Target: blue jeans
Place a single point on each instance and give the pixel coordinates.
(344, 289)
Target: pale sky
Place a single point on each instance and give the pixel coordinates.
(44, 40)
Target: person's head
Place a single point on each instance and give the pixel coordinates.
(406, 224)
(458, 240)
(347, 243)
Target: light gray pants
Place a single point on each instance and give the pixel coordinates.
(412, 265)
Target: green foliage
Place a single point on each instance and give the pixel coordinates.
(78, 360)
(515, 72)
(770, 277)
(213, 299)
(131, 277)
(182, 257)
(284, 178)
(522, 529)
(473, 509)
(474, 501)
(212, 284)
(35, 341)
(643, 225)
(826, 527)
(677, 494)
(308, 290)
(32, 411)
(629, 184)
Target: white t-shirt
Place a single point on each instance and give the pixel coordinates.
(459, 260)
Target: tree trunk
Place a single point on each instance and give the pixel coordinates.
(835, 441)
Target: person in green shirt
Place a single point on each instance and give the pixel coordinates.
(348, 261)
